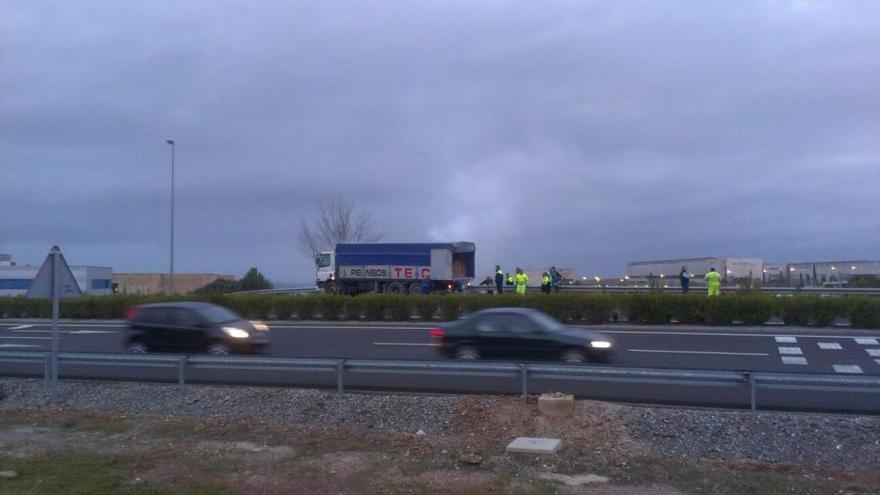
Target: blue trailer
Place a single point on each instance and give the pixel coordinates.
(395, 268)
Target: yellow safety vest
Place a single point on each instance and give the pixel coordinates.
(522, 279)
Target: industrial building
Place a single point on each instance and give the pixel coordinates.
(730, 268)
(15, 279)
(154, 283)
(816, 273)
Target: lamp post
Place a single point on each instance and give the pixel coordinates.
(170, 284)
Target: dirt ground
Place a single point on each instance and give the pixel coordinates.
(56, 451)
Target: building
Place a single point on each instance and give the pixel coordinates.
(816, 273)
(154, 283)
(6, 260)
(92, 280)
(732, 268)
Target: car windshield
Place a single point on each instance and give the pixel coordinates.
(546, 321)
(218, 314)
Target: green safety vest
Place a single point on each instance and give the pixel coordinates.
(522, 279)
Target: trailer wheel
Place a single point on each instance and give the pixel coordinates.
(415, 288)
(394, 288)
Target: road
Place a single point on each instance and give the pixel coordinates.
(838, 351)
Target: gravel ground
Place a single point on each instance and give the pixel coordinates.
(811, 439)
(831, 441)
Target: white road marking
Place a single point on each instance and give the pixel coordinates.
(847, 368)
(873, 352)
(351, 327)
(786, 339)
(866, 341)
(405, 343)
(20, 327)
(16, 346)
(794, 360)
(719, 353)
(829, 346)
(67, 331)
(717, 334)
(790, 350)
(28, 338)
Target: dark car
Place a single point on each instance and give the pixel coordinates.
(192, 326)
(520, 333)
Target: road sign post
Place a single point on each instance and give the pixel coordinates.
(54, 281)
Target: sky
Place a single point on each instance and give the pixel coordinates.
(576, 133)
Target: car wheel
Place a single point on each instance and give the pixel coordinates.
(218, 349)
(137, 348)
(574, 356)
(467, 353)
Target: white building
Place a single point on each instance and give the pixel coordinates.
(92, 280)
(697, 267)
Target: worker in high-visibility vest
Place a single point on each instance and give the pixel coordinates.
(546, 281)
(713, 282)
(521, 280)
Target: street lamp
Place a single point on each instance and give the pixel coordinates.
(170, 285)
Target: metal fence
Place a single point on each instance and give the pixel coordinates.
(522, 375)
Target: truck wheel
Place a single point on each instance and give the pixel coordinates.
(415, 288)
(394, 288)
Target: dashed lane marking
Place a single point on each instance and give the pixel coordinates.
(785, 339)
(17, 346)
(27, 338)
(405, 344)
(866, 341)
(847, 368)
(873, 352)
(717, 353)
(790, 350)
(829, 346)
(794, 360)
(20, 327)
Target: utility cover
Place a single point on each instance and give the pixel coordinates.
(41, 286)
(526, 445)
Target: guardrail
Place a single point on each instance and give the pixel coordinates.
(482, 289)
(522, 373)
(694, 289)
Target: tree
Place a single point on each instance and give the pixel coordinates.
(337, 221)
(254, 280)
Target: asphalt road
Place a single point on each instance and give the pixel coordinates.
(838, 351)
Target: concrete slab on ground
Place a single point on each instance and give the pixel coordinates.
(527, 445)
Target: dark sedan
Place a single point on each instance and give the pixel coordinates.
(192, 326)
(519, 333)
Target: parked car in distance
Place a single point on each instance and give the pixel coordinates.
(192, 327)
(520, 333)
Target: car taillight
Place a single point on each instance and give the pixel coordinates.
(436, 333)
(130, 312)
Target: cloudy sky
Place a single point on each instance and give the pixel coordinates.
(582, 134)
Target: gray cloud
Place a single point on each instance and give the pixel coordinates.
(573, 133)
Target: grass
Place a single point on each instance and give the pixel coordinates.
(82, 473)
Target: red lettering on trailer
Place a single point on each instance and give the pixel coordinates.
(408, 272)
(426, 272)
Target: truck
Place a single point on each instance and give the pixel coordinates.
(395, 268)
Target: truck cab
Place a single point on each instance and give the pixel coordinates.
(325, 266)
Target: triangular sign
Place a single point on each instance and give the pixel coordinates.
(41, 286)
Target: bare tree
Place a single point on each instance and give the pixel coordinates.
(337, 221)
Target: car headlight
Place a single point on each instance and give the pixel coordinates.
(260, 326)
(600, 344)
(235, 332)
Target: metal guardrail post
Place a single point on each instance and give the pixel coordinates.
(753, 385)
(47, 371)
(181, 372)
(340, 367)
(524, 371)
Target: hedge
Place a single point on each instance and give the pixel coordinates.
(650, 308)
